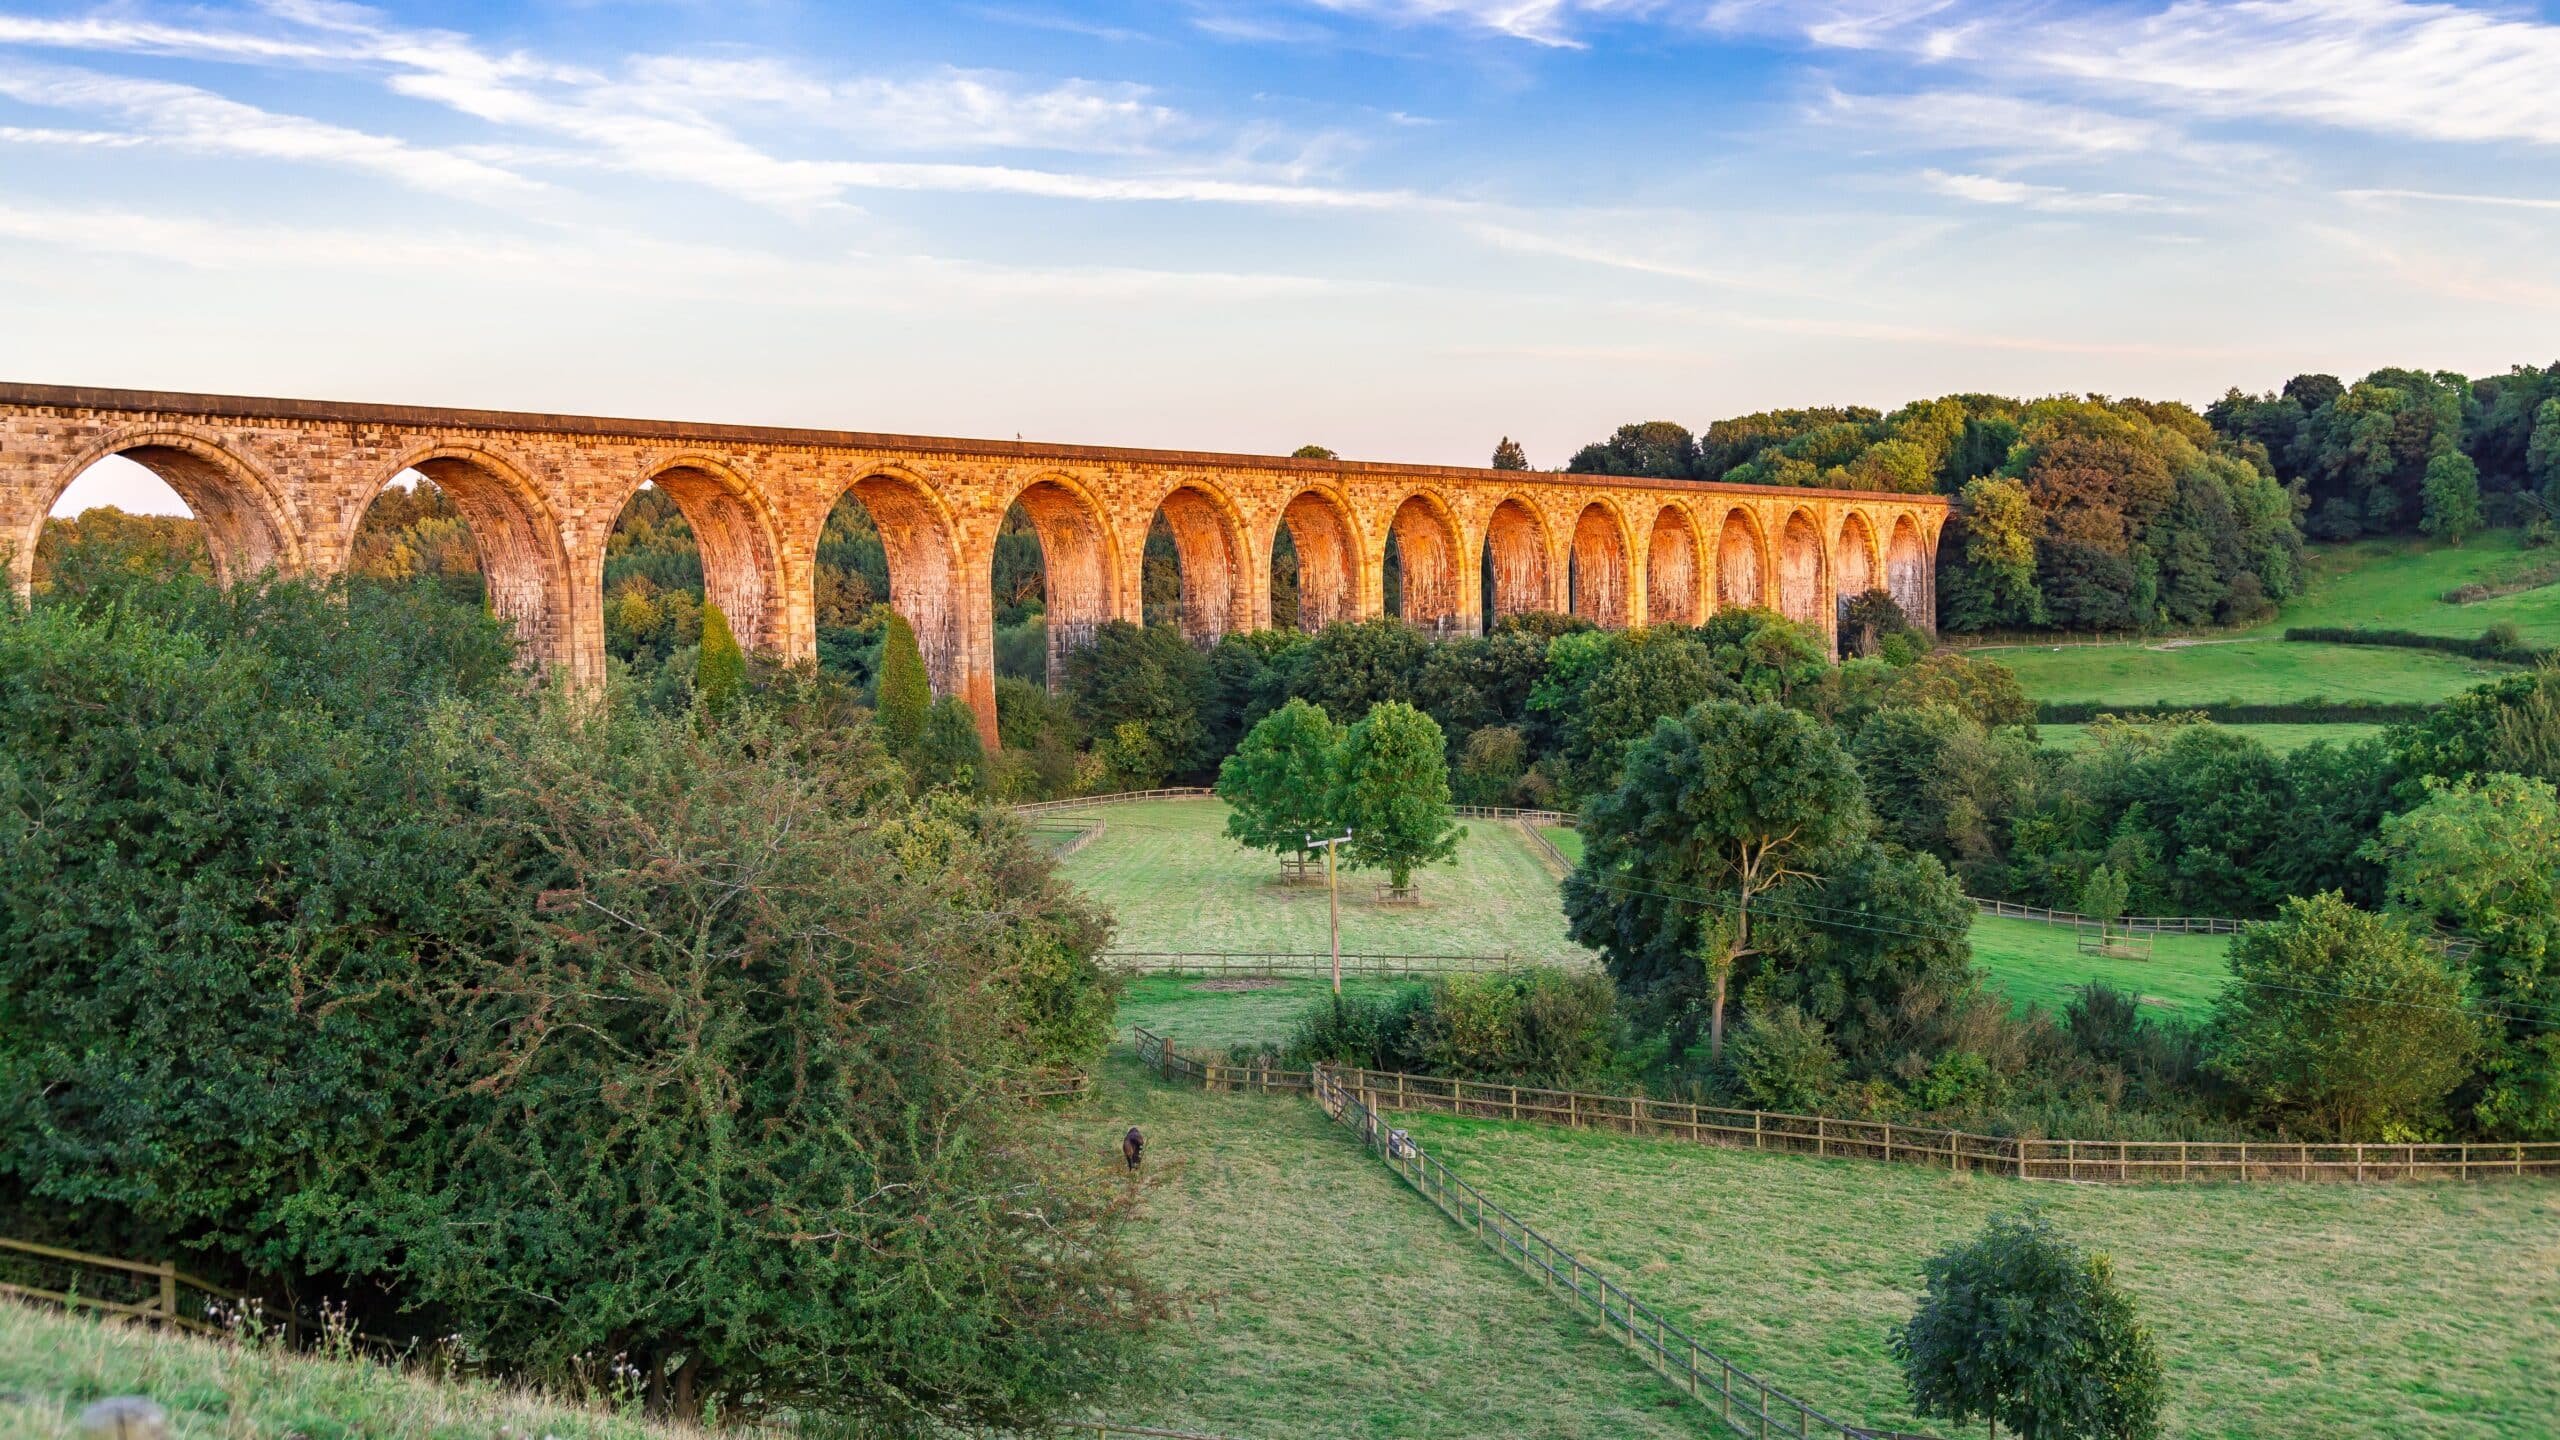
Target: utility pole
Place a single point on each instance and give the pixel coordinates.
(1332, 899)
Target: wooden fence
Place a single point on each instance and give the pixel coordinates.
(2131, 924)
(1122, 797)
(1157, 1053)
(157, 1294)
(2112, 1161)
(1743, 1403)
(1274, 964)
(1079, 836)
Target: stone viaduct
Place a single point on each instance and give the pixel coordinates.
(283, 485)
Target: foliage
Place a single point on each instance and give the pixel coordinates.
(2481, 857)
(1391, 791)
(1507, 455)
(1278, 781)
(949, 754)
(2345, 1022)
(103, 537)
(1656, 448)
(720, 674)
(1714, 808)
(2022, 1328)
(1531, 1025)
(2496, 643)
(2451, 496)
(1136, 690)
(1876, 953)
(905, 696)
(1348, 667)
(1784, 1060)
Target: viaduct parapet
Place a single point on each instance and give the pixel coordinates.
(284, 484)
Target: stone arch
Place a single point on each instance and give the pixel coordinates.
(1516, 554)
(922, 546)
(1802, 570)
(1327, 540)
(1906, 571)
(1855, 560)
(1432, 584)
(1603, 566)
(1672, 569)
(1742, 572)
(521, 556)
(1079, 560)
(740, 543)
(248, 527)
(1208, 536)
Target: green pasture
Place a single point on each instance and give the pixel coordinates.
(2282, 739)
(2398, 584)
(2350, 1312)
(1321, 1300)
(1175, 881)
(2039, 964)
(1212, 1014)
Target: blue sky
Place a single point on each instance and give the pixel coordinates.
(1398, 227)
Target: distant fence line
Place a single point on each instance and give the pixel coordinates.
(1822, 1136)
(1123, 797)
(2132, 924)
(1742, 1402)
(1079, 836)
(1277, 964)
(154, 1293)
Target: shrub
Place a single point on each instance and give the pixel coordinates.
(720, 671)
(949, 753)
(1533, 1024)
(905, 695)
(1784, 1060)
(1371, 1031)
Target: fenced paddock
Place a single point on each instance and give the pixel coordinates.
(1297, 965)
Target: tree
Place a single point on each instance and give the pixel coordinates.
(2001, 524)
(1656, 448)
(2451, 492)
(1509, 456)
(720, 673)
(1278, 781)
(2343, 1021)
(2022, 1327)
(949, 752)
(2102, 897)
(1312, 452)
(1890, 943)
(1136, 690)
(2481, 856)
(1391, 791)
(1713, 809)
(905, 695)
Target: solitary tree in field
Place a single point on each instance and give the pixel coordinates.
(2102, 898)
(1391, 790)
(2019, 1326)
(905, 695)
(1714, 809)
(1277, 783)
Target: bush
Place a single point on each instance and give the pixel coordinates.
(1532, 1025)
(1370, 1031)
(1784, 1060)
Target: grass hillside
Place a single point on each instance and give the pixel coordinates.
(1168, 871)
(2349, 1312)
(53, 1365)
(2395, 583)
(2282, 739)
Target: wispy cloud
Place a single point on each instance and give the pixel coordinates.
(1994, 190)
(2444, 197)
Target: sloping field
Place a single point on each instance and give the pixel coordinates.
(1168, 871)
(2282, 739)
(2349, 1312)
(1327, 1303)
(2040, 964)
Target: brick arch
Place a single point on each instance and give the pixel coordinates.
(1856, 560)
(1327, 539)
(1431, 556)
(1080, 561)
(1603, 565)
(738, 537)
(1208, 538)
(1743, 571)
(1518, 555)
(1804, 569)
(521, 555)
(1906, 570)
(1674, 566)
(247, 524)
(922, 544)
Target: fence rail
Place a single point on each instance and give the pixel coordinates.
(155, 1293)
(1278, 963)
(2132, 924)
(2108, 1161)
(1743, 1403)
(1157, 1053)
(1123, 797)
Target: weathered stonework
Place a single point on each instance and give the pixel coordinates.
(283, 484)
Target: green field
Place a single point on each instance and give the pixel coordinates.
(2388, 584)
(1177, 883)
(1325, 1301)
(2040, 964)
(1201, 1014)
(2282, 739)
(2340, 1311)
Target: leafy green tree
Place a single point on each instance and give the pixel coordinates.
(1656, 448)
(949, 753)
(1636, 677)
(1391, 791)
(1713, 809)
(1137, 690)
(2481, 856)
(906, 696)
(1784, 1060)
(1312, 452)
(2000, 525)
(1509, 456)
(2345, 1022)
(2019, 1326)
(2102, 897)
(1350, 666)
(2451, 491)
(1278, 781)
(2542, 455)
(720, 672)
(1767, 655)
(1889, 941)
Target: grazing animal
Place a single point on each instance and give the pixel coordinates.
(1133, 1147)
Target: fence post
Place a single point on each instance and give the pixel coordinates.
(169, 1293)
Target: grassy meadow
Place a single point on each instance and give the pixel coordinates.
(1325, 1301)
(2282, 739)
(2343, 1311)
(1177, 883)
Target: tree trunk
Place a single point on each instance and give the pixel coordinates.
(1715, 1023)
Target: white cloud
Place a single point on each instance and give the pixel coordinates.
(2443, 197)
(1994, 190)
(950, 109)
(2018, 131)
(186, 118)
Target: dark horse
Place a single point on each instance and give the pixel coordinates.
(1133, 1146)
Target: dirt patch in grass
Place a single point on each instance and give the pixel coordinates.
(1238, 984)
